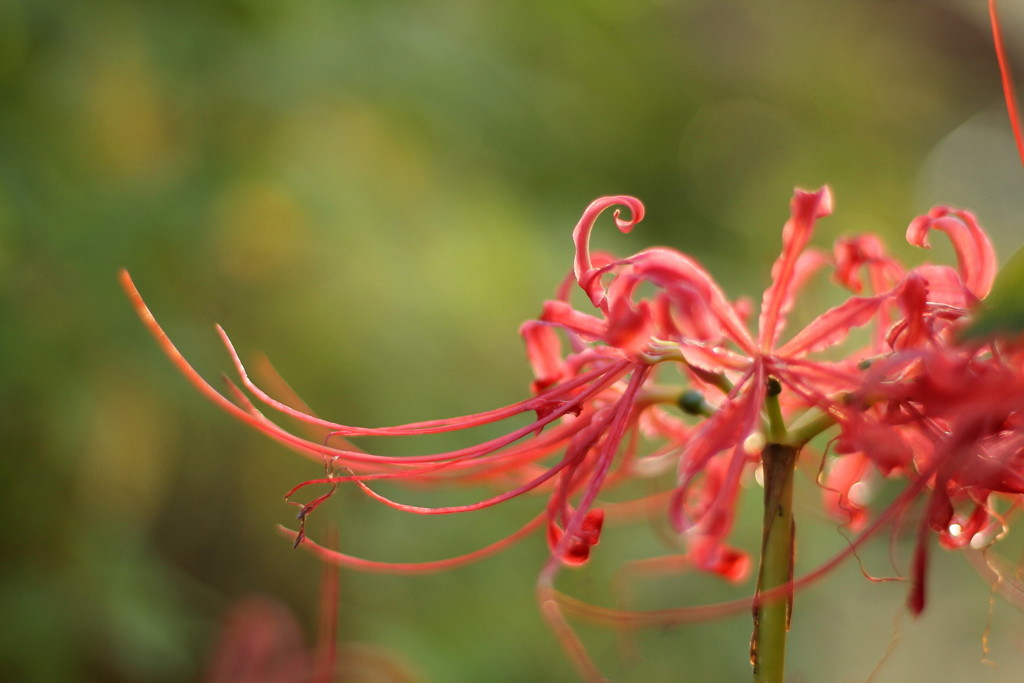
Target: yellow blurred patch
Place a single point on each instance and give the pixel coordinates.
(123, 469)
(260, 230)
(128, 123)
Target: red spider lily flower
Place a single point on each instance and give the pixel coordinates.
(912, 401)
(690, 320)
(597, 395)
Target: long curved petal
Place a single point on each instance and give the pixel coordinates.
(805, 208)
(833, 326)
(586, 274)
(974, 252)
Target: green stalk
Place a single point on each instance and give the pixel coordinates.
(771, 618)
(802, 435)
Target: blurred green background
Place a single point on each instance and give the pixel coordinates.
(376, 194)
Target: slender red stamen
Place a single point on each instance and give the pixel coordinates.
(1007, 78)
(428, 567)
(319, 451)
(412, 428)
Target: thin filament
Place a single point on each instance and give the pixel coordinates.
(1007, 79)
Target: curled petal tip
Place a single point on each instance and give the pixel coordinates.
(636, 215)
(583, 268)
(974, 252)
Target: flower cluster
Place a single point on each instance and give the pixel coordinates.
(656, 374)
(948, 417)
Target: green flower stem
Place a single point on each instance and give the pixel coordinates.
(801, 435)
(776, 425)
(771, 619)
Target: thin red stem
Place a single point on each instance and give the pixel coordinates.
(1007, 78)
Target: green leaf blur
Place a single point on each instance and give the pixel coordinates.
(1002, 312)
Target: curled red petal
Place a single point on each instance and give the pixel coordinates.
(974, 252)
(586, 274)
(692, 289)
(944, 285)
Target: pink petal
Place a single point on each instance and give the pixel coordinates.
(731, 424)
(833, 326)
(584, 524)
(913, 330)
(805, 208)
(544, 351)
(882, 443)
(865, 251)
(630, 327)
(944, 285)
(713, 513)
(974, 251)
(712, 555)
(586, 274)
(693, 289)
(564, 315)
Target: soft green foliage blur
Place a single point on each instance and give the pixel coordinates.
(376, 194)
